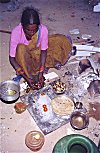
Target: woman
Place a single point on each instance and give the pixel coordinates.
(32, 50)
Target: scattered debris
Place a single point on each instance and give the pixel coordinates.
(96, 8)
(85, 36)
(94, 110)
(74, 31)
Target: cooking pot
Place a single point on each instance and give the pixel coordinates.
(75, 143)
(9, 91)
(79, 120)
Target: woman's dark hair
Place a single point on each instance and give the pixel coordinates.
(30, 16)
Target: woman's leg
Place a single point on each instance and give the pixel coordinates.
(58, 51)
(24, 59)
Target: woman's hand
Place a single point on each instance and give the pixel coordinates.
(30, 82)
(41, 79)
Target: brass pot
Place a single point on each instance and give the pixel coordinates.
(34, 140)
(79, 120)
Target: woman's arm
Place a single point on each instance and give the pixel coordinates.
(42, 65)
(43, 57)
(13, 62)
(17, 67)
(19, 71)
(43, 44)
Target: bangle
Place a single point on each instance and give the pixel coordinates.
(41, 68)
(19, 69)
(21, 72)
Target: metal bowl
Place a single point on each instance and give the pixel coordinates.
(79, 120)
(9, 90)
(58, 87)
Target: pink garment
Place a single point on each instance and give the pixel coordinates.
(18, 36)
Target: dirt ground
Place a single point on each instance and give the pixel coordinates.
(60, 16)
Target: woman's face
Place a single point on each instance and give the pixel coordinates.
(30, 30)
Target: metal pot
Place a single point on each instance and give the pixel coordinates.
(79, 120)
(9, 90)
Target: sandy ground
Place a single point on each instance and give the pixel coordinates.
(59, 16)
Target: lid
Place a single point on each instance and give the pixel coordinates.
(34, 140)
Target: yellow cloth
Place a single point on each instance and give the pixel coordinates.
(28, 56)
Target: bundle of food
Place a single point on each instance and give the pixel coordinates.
(20, 107)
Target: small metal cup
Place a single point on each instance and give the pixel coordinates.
(78, 105)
